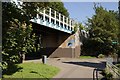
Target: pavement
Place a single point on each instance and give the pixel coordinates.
(75, 68)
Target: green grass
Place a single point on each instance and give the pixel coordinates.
(33, 70)
(86, 57)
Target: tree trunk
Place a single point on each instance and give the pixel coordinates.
(22, 57)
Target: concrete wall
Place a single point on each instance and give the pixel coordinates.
(64, 50)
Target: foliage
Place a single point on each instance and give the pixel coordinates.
(118, 65)
(81, 27)
(101, 56)
(78, 26)
(87, 57)
(107, 75)
(32, 70)
(103, 30)
(17, 37)
(59, 6)
(75, 27)
(30, 8)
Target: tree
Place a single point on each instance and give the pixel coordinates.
(17, 31)
(59, 6)
(31, 7)
(119, 29)
(103, 29)
(17, 37)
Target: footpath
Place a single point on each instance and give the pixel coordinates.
(75, 68)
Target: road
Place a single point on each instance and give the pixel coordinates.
(76, 68)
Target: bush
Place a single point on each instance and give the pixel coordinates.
(118, 65)
(101, 56)
(114, 55)
(107, 75)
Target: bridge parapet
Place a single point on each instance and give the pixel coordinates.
(53, 19)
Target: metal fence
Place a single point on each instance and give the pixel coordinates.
(112, 68)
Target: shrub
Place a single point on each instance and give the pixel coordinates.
(118, 65)
(101, 56)
(107, 75)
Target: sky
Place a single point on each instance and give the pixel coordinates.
(80, 11)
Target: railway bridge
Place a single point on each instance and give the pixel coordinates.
(58, 38)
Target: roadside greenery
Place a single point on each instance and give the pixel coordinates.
(103, 30)
(31, 70)
(87, 57)
(107, 75)
(118, 65)
(101, 56)
(15, 34)
(79, 26)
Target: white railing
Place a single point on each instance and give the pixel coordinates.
(53, 17)
(57, 17)
(113, 68)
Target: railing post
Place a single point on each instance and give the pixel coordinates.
(50, 15)
(59, 18)
(70, 24)
(44, 14)
(55, 17)
(37, 14)
(67, 21)
(63, 20)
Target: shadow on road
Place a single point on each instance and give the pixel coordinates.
(89, 64)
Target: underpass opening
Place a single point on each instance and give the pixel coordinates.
(54, 43)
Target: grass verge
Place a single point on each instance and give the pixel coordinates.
(33, 70)
(86, 57)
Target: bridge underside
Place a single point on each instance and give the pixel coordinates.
(55, 43)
